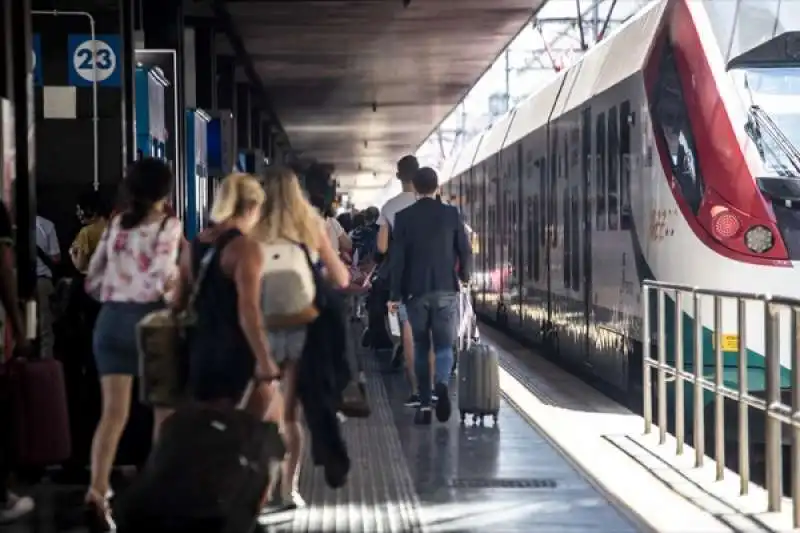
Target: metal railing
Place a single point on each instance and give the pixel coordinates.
(775, 412)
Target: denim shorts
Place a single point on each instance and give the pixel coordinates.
(287, 344)
(114, 339)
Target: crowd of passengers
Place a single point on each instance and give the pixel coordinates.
(134, 259)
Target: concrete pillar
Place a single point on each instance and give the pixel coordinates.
(128, 90)
(25, 165)
(225, 85)
(205, 66)
(243, 115)
(255, 128)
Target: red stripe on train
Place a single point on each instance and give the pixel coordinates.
(722, 163)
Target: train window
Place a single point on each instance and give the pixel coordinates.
(600, 169)
(625, 165)
(542, 164)
(530, 238)
(537, 229)
(575, 241)
(552, 219)
(672, 120)
(588, 214)
(567, 248)
(613, 170)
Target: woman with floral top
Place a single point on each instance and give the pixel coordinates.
(131, 272)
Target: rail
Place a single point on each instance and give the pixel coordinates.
(776, 412)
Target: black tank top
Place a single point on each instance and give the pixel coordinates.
(221, 361)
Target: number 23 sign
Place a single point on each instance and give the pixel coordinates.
(94, 60)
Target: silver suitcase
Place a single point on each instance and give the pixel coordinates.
(478, 383)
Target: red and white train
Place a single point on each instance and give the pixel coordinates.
(668, 152)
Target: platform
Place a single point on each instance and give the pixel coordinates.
(446, 477)
(564, 458)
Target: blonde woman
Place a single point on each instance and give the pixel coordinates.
(287, 214)
(229, 347)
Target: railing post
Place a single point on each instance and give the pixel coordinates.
(647, 393)
(772, 425)
(679, 405)
(661, 394)
(744, 419)
(697, 401)
(719, 399)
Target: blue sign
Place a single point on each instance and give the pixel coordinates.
(37, 59)
(94, 60)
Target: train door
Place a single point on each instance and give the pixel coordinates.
(586, 260)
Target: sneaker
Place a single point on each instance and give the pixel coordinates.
(423, 416)
(443, 407)
(413, 401)
(15, 507)
(434, 399)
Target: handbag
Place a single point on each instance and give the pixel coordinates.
(162, 341)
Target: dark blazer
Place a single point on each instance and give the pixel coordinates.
(428, 242)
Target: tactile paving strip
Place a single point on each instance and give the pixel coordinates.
(379, 495)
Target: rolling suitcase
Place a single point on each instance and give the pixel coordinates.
(40, 417)
(208, 473)
(479, 383)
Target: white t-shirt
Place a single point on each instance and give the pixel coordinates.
(394, 206)
(334, 230)
(47, 240)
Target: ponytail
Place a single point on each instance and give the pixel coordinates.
(136, 212)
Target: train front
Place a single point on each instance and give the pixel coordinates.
(723, 84)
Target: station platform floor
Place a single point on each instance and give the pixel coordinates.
(563, 458)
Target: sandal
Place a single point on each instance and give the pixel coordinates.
(97, 512)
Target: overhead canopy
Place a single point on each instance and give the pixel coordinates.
(360, 83)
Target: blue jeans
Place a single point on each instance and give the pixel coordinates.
(432, 318)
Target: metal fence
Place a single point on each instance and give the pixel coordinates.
(777, 312)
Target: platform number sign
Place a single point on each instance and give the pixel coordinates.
(88, 59)
(36, 59)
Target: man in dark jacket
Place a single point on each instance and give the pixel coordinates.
(429, 254)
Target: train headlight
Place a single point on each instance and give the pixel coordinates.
(759, 239)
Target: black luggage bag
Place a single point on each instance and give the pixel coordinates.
(377, 299)
(208, 473)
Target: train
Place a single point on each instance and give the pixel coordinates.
(667, 152)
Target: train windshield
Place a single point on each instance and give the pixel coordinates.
(773, 123)
(773, 94)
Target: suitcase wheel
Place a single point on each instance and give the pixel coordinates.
(494, 417)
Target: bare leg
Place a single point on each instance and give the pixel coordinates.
(160, 414)
(408, 353)
(116, 392)
(292, 435)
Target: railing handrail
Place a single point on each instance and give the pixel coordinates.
(723, 293)
(776, 411)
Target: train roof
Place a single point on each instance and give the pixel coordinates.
(608, 63)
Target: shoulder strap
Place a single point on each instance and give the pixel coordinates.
(48, 262)
(205, 262)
